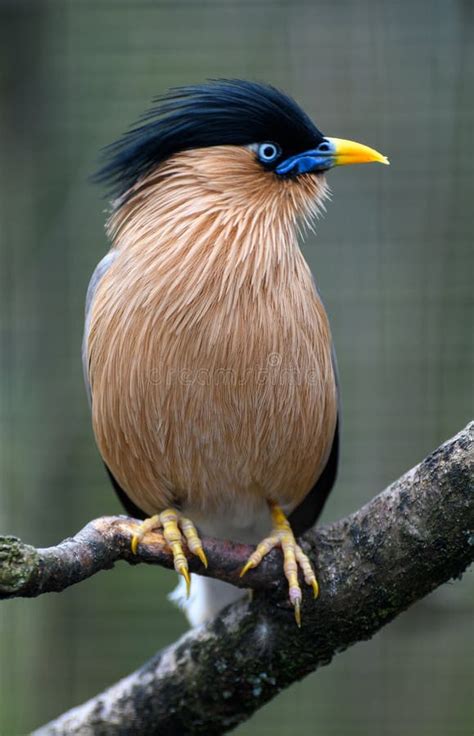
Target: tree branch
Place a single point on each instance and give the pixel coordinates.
(371, 566)
(26, 572)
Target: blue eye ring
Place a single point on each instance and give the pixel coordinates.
(268, 152)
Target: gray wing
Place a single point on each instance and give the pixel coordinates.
(100, 271)
(307, 513)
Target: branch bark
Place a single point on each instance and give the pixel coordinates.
(372, 565)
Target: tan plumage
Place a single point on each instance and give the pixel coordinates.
(233, 394)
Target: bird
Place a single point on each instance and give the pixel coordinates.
(207, 352)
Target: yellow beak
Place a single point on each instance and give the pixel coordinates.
(350, 152)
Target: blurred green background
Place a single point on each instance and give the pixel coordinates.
(394, 262)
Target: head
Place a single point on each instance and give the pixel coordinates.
(244, 141)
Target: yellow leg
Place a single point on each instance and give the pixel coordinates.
(282, 536)
(174, 526)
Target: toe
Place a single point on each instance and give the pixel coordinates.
(307, 569)
(257, 556)
(146, 526)
(192, 538)
(172, 535)
(290, 568)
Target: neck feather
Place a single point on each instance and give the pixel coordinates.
(210, 223)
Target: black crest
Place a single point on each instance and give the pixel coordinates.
(220, 112)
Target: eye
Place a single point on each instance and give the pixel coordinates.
(324, 147)
(268, 152)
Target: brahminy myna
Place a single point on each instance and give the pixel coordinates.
(207, 352)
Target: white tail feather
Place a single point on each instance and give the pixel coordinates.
(208, 597)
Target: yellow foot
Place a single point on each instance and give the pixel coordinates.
(174, 526)
(282, 536)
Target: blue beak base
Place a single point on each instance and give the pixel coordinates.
(308, 161)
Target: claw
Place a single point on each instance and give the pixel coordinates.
(134, 543)
(202, 556)
(297, 606)
(315, 587)
(248, 566)
(183, 570)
